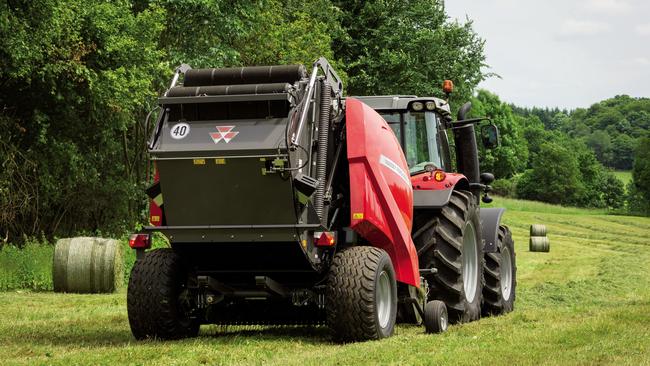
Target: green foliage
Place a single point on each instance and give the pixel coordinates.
(407, 47)
(29, 267)
(613, 192)
(639, 189)
(90, 65)
(505, 187)
(554, 177)
(510, 157)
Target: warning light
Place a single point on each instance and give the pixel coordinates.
(448, 86)
(439, 176)
(326, 239)
(140, 241)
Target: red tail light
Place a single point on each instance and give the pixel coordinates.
(326, 239)
(140, 241)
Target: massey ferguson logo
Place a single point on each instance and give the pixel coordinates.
(225, 133)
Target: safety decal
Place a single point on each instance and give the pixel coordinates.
(385, 161)
(224, 133)
(179, 131)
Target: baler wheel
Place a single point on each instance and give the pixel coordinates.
(449, 241)
(500, 271)
(155, 298)
(436, 319)
(361, 295)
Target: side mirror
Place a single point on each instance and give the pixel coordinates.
(490, 136)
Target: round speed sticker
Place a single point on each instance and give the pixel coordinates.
(179, 131)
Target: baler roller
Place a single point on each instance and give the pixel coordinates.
(245, 75)
(192, 91)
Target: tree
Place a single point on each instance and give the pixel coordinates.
(554, 177)
(641, 176)
(623, 147)
(511, 156)
(77, 82)
(613, 192)
(601, 144)
(407, 47)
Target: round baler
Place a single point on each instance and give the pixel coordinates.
(285, 203)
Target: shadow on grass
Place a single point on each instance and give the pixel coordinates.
(307, 334)
(83, 335)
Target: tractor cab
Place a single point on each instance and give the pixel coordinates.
(420, 125)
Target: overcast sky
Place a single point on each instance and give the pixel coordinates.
(569, 53)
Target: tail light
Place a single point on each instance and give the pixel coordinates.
(325, 239)
(140, 241)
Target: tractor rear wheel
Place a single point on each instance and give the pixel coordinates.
(157, 301)
(500, 276)
(449, 241)
(361, 294)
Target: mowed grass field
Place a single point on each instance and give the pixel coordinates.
(585, 302)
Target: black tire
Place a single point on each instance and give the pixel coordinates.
(436, 319)
(353, 291)
(153, 298)
(438, 237)
(498, 299)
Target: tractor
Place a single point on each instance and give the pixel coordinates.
(284, 202)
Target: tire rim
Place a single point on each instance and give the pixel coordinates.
(443, 321)
(384, 296)
(470, 262)
(506, 273)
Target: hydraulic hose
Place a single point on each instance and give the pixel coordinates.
(323, 145)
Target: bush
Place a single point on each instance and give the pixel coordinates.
(555, 177)
(505, 187)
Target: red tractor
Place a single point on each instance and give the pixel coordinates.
(285, 203)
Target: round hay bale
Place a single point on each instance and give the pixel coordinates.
(539, 244)
(87, 265)
(537, 230)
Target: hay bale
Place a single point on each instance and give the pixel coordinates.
(539, 244)
(537, 230)
(87, 265)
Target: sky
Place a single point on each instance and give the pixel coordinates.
(565, 54)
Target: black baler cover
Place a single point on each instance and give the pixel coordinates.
(191, 91)
(245, 75)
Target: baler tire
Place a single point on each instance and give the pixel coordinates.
(353, 294)
(153, 308)
(497, 299)
(438, 238)
(436, 319)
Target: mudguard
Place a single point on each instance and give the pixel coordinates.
(381, 195)
(490, 221)
(426, 199)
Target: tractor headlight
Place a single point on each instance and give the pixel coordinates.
(417, 106)
(431, 105)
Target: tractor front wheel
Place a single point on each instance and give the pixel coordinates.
(361, 294)
(158, 304)
(449, 241)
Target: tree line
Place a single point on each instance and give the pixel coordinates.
(567, 157)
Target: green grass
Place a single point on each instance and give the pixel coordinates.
(29, 267)
(623, 175)
(585, 302)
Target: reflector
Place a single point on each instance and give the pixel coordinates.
(140, 241)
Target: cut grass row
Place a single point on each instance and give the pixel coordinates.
(585, 302)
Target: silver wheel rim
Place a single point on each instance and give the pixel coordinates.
(443, 321)
(470, 262)
(506, 273)
(384, 296)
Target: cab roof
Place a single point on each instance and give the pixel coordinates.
(399, 102)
